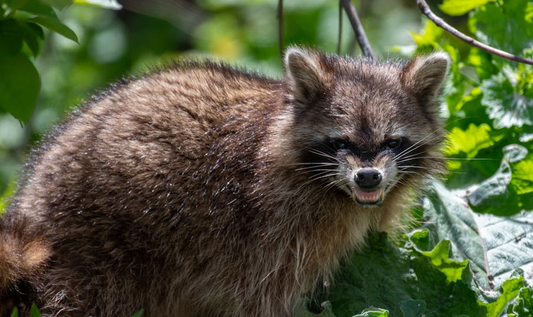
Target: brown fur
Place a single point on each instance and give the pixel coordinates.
(181, 192)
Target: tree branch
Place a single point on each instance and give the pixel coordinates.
(280, 27)
(339, 40)
(358, 28)
(424, 8)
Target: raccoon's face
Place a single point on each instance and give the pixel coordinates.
(365, 128)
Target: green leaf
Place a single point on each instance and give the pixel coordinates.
(429, 36)
(39, 8)
(469, 141)
(107, 4)
(522, 172)
(504, 103)
(19, 85)
(16, 4)
(504, 25)
(34, 312)
(524, 303)
(460, 7)
(15, 312)
(511, 288)
(6, 195)
(139, 313)
(500, 194)
(397, 279)
(413, 308)
(32, 37)
(11, 35)
(379, 276)
(439, 259)
(55, 25)
(495, 246)
(326, 312)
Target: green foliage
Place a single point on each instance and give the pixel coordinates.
(21, 36)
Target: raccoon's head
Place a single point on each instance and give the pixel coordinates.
(361, 127)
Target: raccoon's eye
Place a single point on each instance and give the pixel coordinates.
(393, 144)
(340, 144)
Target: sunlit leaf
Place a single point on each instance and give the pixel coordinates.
(460, 7)
(373, 312)
(429, 36)
(469, 141)
(510, 290)
(523, 305)
(439, 258)
(107, 4)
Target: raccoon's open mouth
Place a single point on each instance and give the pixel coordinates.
(373, 198)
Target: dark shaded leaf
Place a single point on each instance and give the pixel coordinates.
(11, 35)
(19, 85)
(55, 25)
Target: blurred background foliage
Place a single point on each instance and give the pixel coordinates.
(113, 44)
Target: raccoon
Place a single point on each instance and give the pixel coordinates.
(205, 190)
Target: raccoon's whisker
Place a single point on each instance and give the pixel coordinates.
(417, 144)
(323, 154)
(322, 176)
(316, 167)
(310, 163)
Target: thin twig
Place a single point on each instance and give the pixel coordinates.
(280, 27)
(358, 28)
(424, 8)
(339, 41)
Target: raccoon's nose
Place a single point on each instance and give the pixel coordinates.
(368, 177)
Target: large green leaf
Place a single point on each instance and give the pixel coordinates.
(495, 246)
(19, 85)
(510, 189)
(403, 281)
(505, 102)
(504, 25)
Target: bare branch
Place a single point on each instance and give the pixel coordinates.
(357, 27)
(339, 40)
(424, 8)
(280, 27)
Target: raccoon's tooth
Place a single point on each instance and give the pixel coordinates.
(369, 196)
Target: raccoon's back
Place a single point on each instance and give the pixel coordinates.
(140, 171)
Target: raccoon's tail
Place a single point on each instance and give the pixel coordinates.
(22, 257)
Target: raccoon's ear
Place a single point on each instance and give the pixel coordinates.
(304, 74)
(425, 75)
